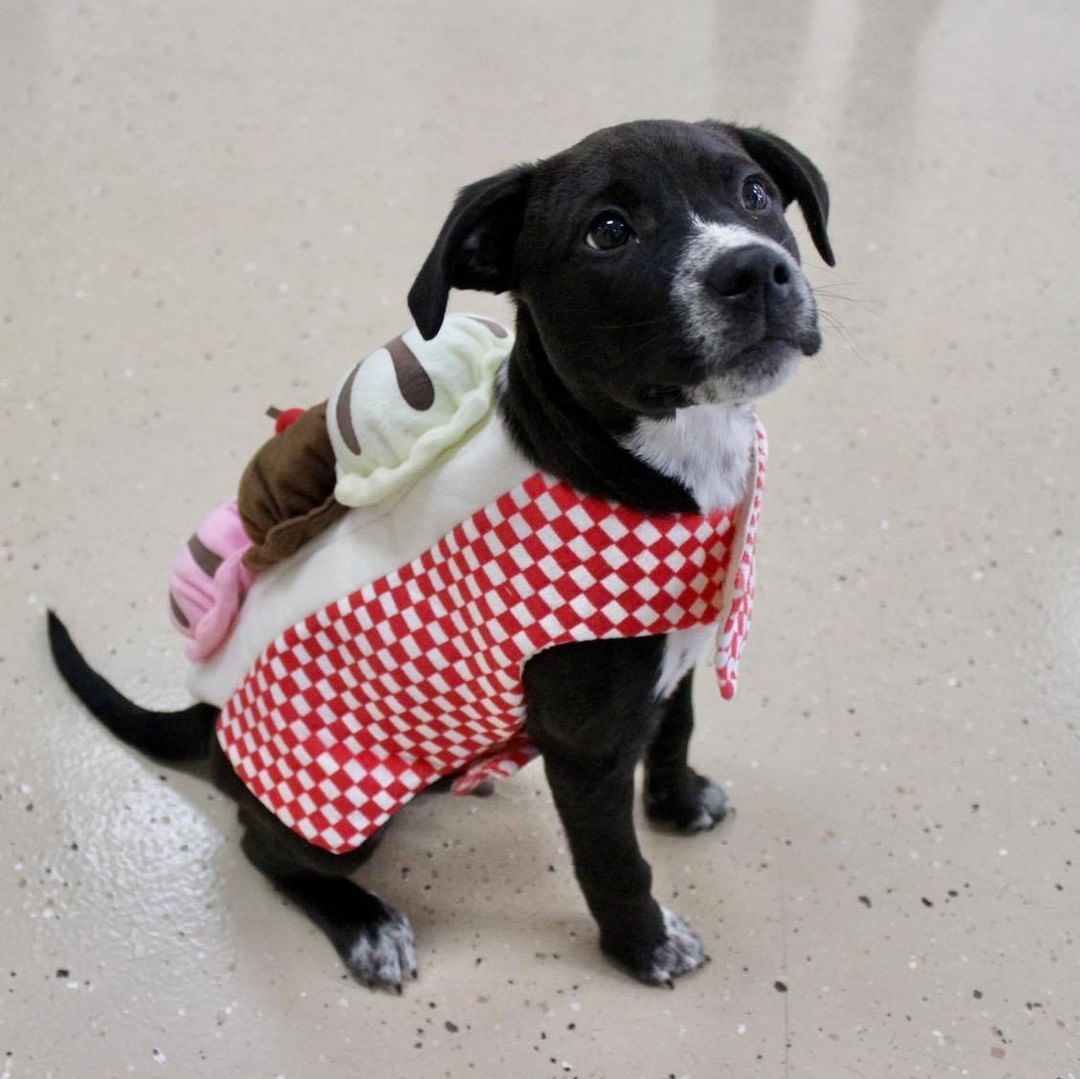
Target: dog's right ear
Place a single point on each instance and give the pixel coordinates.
(798, 179)
(475, 248)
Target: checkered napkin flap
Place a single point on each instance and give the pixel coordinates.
(352, 712)
(738, 602)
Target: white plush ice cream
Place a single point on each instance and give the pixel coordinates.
(402, 406)
(390, 427)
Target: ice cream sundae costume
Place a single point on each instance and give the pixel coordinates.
(363, 610)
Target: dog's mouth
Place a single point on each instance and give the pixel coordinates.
(663, 397)
(759, 362)
(770, 344)
(808, 342)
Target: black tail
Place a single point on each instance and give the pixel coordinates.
(170, 736)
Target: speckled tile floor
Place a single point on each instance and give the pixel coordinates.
(208, 206)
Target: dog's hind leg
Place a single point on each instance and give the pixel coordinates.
(675, 794)
(373, 939)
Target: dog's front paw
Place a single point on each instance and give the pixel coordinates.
(380, 954)
(679, 953)
(694, 805)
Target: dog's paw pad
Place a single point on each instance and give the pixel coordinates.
(679, 953)
(383, 954)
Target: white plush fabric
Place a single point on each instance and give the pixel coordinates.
(392, 415)
(365, 544)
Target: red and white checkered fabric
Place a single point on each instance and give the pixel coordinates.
(352, 712)
(731, 636)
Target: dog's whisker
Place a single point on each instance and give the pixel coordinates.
(839, 282)
(646, 344)
(845, 333)
(872, 307)
(662, 271)
(635, 325)
(836, 279)
(827, 294)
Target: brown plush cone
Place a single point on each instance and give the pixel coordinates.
(286, 493)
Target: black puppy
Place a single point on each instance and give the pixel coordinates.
(658, 294)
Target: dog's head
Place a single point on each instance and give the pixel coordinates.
(652, 258)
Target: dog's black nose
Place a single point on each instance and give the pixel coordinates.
(750, 271)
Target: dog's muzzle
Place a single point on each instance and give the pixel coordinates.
(745, 303)
(756, 289)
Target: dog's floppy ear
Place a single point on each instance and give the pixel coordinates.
(796, 176)
(475, 248)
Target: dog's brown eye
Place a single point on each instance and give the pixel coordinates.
(608, 231)
(754, 196)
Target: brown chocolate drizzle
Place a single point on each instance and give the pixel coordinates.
(414, 384)
(177, 613)
(413, 381)
(343, 413)
(205, 559)
(496, 328)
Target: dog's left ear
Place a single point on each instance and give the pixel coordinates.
(795, 175)
(475, 248)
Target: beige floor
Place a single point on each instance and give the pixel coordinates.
(209, 207)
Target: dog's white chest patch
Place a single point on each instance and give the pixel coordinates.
(682, 650)
(704, 447)
(707, 448)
